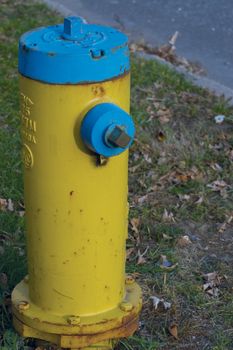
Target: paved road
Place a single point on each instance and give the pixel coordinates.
(205, 27)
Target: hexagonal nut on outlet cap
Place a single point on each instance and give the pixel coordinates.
(107, 130)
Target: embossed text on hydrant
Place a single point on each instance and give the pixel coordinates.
(28, 124)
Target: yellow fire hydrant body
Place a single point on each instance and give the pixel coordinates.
(76, 294)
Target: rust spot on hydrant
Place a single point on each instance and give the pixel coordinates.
(98, 90)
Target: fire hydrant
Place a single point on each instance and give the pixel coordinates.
(76, 131)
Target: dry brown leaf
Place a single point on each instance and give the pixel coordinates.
(173, 38)
(132, 169)
(153, 188)
(164, 115)
(200, 200)
(212, 282)
(161, 137)
(167, 237)
(141, 259)
(195, 173)
(160, 302)
(10, 205)
(6, 204)
(222, 228)
(219, 186)
(184, 241)
(185, 197)
(173, 330)
(216, 167)
(129, 251)
(212, 276)
(147, 158)
(155, 301)
(213, 291)
(142, 199)
(216, 146)
(227, 222)
(168, 52)
(3, 204)
(183, 177)
(135, 274)
(135, 222)
(168, 216)
(178, 176)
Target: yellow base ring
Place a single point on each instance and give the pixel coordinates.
(72, 331)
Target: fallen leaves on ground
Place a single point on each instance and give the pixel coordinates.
(173, 330)
(212, 282)
(135, 224)
(141, 259)
(226, 223)
(129, 252)
(219, 186)
(168, 53)
(168, 216)
(159, 111)
(179, 177)
(160, 304)
(161, 137)
(6, 204)
(216, 167)
(142, 199)
(184, 241)
(9, 205)
(199, 200)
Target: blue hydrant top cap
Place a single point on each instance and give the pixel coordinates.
(74, 52)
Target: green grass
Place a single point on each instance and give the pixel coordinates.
(173, 159)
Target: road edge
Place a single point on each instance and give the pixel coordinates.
(204, 82)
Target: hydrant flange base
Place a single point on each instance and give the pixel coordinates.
(37, 323)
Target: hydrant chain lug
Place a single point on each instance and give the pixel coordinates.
(75, 294)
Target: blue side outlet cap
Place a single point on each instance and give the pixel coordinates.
(74, 52)
(107, 130)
